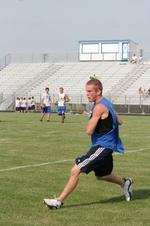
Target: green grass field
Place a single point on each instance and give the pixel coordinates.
(35, 162)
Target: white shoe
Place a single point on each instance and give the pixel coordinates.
(53, 203)
(127, 189)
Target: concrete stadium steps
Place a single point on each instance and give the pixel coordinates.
(30, 79)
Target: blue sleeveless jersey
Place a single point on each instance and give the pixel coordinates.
(110, 139)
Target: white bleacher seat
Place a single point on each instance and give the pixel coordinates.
(30, 79)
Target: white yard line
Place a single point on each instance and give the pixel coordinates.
(141, 149)
(59, 161)
(35, 165)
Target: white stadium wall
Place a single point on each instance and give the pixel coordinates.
(107, 50)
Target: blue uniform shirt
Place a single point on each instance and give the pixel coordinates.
(111, 138)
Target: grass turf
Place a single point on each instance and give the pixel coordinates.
(26, 142)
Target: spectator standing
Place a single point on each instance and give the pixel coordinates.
(134, 59)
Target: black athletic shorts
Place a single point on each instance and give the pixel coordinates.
(97, 159)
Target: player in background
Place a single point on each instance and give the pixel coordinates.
(46, 104)
(62, 99)
(23, 105)
(32, 104)
(103, 127)
(29, 104)
(17, 105)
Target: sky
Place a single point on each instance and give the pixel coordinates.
(58, 25)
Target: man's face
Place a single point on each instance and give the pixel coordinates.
(47, 90)
(61, 90)
(91, 93)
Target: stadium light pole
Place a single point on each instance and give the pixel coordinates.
(45, 55)
(5, 61)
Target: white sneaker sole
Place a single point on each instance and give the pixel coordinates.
(128, 199)
(51, 206)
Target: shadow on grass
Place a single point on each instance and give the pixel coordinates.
(112, 200)
(57, 121)
(141, 194)
(137, 195)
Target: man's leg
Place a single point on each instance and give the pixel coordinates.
(48, 111)
(63, 118)
(48, 117)
(70, 186)
(125, 183)
(113, 179)
(72, 183)
(43, 114)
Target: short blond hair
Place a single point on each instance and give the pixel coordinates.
(96, 83)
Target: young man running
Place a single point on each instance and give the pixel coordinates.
(46, 104)
(103, 127)
(62, 99)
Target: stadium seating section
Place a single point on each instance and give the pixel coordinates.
(121, 81)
